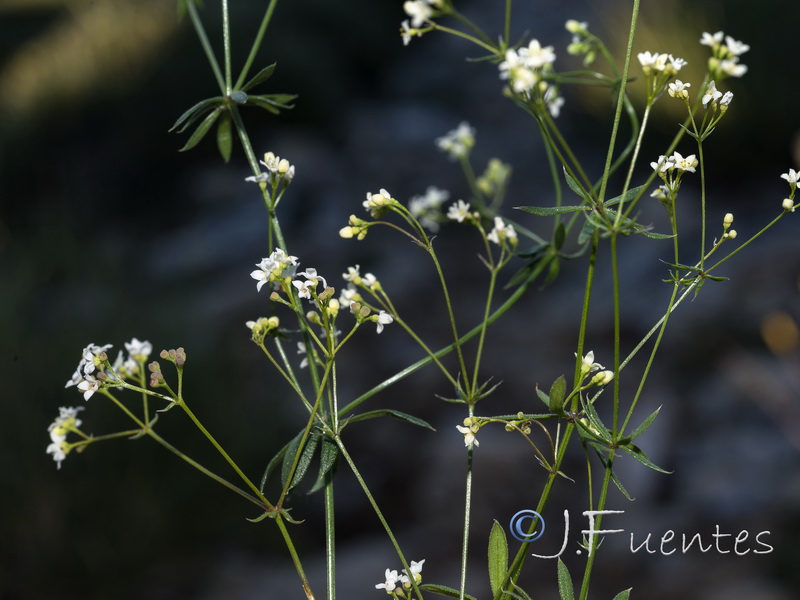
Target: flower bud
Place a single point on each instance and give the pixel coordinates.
(728, 219)
(788, 204)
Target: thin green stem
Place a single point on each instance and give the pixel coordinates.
(330, 539)
(256, 44)
(481, 338)
(298, 565)
(584, 593)
(467, 512)
(226, 46)
(201, 34)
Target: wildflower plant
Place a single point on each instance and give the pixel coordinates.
(320, 313)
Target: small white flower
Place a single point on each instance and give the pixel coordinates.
(469, 432)
(537, 56)
(647, 59)
(684, 164)
(457, 142)
(419, 11)
(679, 89)
(301, 349)
(406, 31)
(383, 318)
(711, 95)
(458, 211)
(735, 47)
(275, 266)
(792, 177)
(391, 582)
(588, 365)
(725, 101)
(352, 274)
(663, 164)
(89, 385)
(501, 232)
(712, 40)
(732, 67)
(137, 350)
(675, 64)
(414, 570)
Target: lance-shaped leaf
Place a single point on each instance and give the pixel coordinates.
(575, 187)
(274, 103)
(547, 211)
(260, 77)
(637, 453)
(302, 462)
(225, 137)
(498, 557)
(202, 129)
(645, 424)
(623, 595)
(628, 196)
(195, 112)
(557, 392)
(328, 454)
(443, 590)
(387, 412)
(565, 589)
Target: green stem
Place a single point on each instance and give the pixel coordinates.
(201, 34)
(584, 593)
(330, 539)
(226, 46)
(256, 44)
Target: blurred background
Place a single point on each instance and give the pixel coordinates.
(108, 232)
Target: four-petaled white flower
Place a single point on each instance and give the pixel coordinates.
(65, 422)
(663, 164)
(276, 265)
(712, 40)
(89, 385)
(502, 232)
(414, 570)
(381, 319)
(792, 177)
(469, 432)
(588, 365)
(139, 350)
(391, 582)
(732, 67)
(735, 47)
(684, 164)
(277, 167)
(304, 288)
(712, 94)
(458, 211)
(679, 89)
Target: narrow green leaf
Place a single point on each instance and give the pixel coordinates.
(225, 137)
(327, 460)
(288, 457)
(654, 236)
(195, 112)
(559, 235)
(498, 557)
(557, 392)
(547, 211)
(273, 463)
(270, 103)
(623, 595)
(443, 590)
(619, 485)
(573, 185)
(543, 397)
(636, 453)
(202, 130)
(565, 589)
(260, 77)
(645, 424)
(387, 412)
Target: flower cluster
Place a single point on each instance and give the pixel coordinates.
(458, 142)
(526, 70)
(659, 69)
(278, 170)
(398, 585)
(502, 233)
(601, 375)
(277, 267)
(427, 208)
(495, 178)
(715, 98)
(420, 12)
(583, 43)
(724, 61)
(66, 421)
(792, 177)
(470, 429)
(670, 169)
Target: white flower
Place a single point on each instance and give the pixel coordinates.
(427, 207)
(406, 31)
(735, 47)
(537, 56)
(304, 288)
(663, 164)
(679, 89)
(415, 568)
(369, 280)
(382, 318)
(726, 100)
(89, 385)
(457, 142)
(65, 422)
(711, 95)
(277, 167)
(469, 429)
(391, 582)
(554, 101)
(275, 266)
(711, 40)
(352, 274)
(458, 211)
(348, 295)
(675, 64)
(301, 349)
(732, 68)
(418, 10)
(501, 232)
(588, 365)
(647, 59)
(792, 177)
(684, 164)
(139, 351)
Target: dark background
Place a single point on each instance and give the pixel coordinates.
(107, 232)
